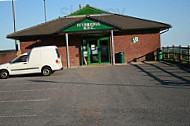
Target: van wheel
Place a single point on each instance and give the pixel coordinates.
(46, 71)
(4, 74)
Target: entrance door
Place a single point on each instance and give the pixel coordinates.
(104, 51)
(95, 51)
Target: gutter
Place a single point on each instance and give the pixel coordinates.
(165, 31)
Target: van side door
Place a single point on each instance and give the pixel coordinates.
(19, 65)
(34, 62)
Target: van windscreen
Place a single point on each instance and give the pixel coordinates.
(57, 51)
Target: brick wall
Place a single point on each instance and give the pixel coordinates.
(74, 47)
(145, 49)
(74, 50)
(7, 56)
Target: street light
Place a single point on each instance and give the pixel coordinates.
(14, 20)
(45, 10)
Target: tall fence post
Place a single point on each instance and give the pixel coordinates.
(168, 52)
(173, 49)
(180, 54)
(163, 53)
(189, 54)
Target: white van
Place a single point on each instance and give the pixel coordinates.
(43, 60)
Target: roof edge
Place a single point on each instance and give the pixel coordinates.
(12, 34)
(169, 26)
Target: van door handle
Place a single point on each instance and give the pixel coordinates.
(24, 63)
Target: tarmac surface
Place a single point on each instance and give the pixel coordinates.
(146, 94)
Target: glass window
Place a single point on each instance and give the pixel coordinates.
(58, 54)
(21, 59)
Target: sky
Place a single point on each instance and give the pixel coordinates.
(31, 12)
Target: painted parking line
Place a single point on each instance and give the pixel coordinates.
(17, 101)
(12, 84)
(17, 116)
(36, 90)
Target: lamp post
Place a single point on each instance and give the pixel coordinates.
(45, 10)
(14, 20)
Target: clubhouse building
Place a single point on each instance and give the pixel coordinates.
(91, 36)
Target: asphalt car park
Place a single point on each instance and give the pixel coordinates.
(149, 93)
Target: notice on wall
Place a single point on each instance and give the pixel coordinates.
(95, 52)
(85, 53)
(135, 39)
(93, 47)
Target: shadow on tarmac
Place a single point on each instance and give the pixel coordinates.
(171, 73)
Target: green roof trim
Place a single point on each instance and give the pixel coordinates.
(87, 25)
(88, 11)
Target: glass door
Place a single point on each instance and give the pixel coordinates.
(104, 50)
(95, 51)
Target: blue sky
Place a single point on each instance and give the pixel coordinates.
(30, 13)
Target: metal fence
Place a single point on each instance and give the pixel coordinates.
(176, 54)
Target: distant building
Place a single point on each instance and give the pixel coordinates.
(91, 36)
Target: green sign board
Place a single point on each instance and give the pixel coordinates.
(87, 25)
(135, 39)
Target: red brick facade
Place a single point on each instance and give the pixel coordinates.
(74, 48)
(147, 45)
(7, 56)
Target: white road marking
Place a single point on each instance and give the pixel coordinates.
(15, 91)
(17, 116)
(34, 100)
(18, 83)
